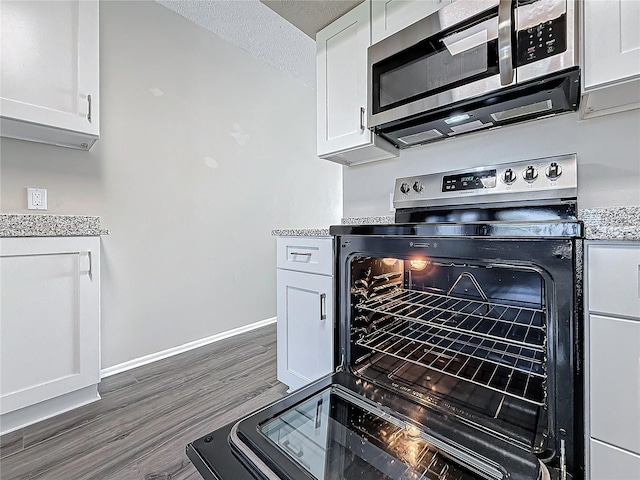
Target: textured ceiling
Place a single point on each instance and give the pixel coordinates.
(311, 16)
(252, 26)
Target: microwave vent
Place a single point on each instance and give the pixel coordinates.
(533, 108)
(420, 137)
(470, 127)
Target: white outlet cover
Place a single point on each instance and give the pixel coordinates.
(36, 198)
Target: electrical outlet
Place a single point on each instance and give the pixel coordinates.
(36, 198)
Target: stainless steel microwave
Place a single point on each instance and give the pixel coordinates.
(474, 65)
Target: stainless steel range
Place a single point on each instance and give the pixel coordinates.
(458, 342)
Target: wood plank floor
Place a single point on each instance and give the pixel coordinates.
(147, 415)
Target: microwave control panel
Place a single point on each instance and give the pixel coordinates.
(541, 41)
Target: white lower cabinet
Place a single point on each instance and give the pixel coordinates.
(49, 327)
(613, 360)
(305, 312)
(612, 463)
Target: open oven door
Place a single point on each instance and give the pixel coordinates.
(343, 427)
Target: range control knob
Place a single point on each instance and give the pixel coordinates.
(530, 174)
(553, 171)
(404, 188)
(418, 187)
(509, 176)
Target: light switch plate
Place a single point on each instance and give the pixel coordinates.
(36, 198)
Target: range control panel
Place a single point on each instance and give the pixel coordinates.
(544, 178)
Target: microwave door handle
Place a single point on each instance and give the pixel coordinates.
(505, 48)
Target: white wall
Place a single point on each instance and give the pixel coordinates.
(608, 150)
(203, 150)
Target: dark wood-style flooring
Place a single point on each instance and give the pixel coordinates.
(147, 415)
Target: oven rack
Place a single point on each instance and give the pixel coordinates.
(424, 459)
(519, 326)
(515, 371)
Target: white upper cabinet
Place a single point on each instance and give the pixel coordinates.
(50, 72)
(391, 16)
(611, 56)
(342, 92)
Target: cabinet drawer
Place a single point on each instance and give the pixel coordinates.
(306, 254)
(614, 279)
(614, 381)
(611, 463)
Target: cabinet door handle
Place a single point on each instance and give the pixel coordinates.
(323, 306)
(362, 127)
(90, 265)
(89, 111)
(305, 254)
(89, 270)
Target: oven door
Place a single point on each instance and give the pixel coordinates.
(343, 427)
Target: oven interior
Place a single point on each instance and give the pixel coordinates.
(467, 337)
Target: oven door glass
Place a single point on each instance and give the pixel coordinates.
(334, 435)
(449, 59)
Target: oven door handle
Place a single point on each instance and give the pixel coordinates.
(505, 47)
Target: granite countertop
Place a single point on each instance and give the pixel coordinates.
(609, 223)
(300, 232)
(324, 232)
(44, 225)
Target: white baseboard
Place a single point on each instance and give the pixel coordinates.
(12, 421)
(138, 362)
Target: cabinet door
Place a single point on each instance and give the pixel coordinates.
(614, 381)
(614, 279)
(305, 327)
(391, 16)
(341, 57)
(611, 463)
(50, 68)
(49, 318)
(342, 81)
(611, 41)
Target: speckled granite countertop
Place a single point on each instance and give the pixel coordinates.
(383, 220)
(44, 225)
(300, 232)
(324, 232)
(610, 223)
